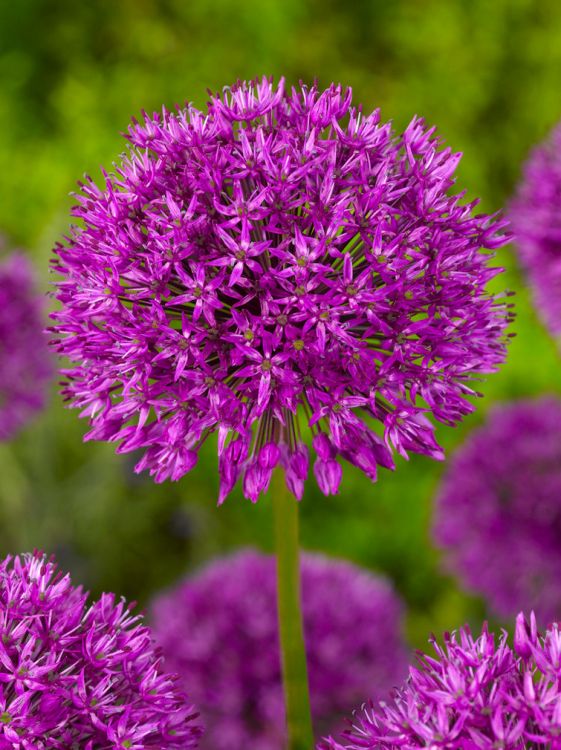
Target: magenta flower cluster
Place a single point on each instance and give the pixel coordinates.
(26, 368)
(473, 694)
(536, 219)
(219, 631)
(498, 512)
(278, 264)
(83, 676)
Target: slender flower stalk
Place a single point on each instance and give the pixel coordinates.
(300, 734)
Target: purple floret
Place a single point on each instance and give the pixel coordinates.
(78, 676)
(498, 512)
(26, 369)
(284, 271)
(472, 694)
(536, 218)
(219, 631)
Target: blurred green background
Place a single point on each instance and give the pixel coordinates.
(488, 74)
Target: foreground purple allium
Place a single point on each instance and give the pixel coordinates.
(82, 676)
(278, 262)
(219, 631)
(536, 218)
(498, 512)
(25, 364)
(473, 694)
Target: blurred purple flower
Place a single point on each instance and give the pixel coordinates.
(83, 676)
(219, 631)
(276, 262)
(26, 368)
(472, 694)
(536, 217)
(498, 512)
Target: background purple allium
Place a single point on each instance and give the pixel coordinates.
(473, 694)
(498, 512)
(278, 261)
(536, 217)
(219, 631)
(83, 676)
(25, 363)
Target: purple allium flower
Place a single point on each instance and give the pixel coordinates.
(498, 512)
(219, 631)
(473, 694)
(276, 262)
(25, 363)
(74, 675)
(536, 218)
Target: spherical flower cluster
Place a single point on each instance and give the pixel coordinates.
(498, 512)
(536, 219)
(77, 676)
(473, 694)
(25, 365)
(219, 631)
(280, 261)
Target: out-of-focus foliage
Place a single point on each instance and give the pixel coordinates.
(71, 76)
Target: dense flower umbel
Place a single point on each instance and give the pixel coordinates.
(25, 362)
(498, 513)
(219, 631)
(278, 261)
(536, 217)
(473, 694)
(80, 677)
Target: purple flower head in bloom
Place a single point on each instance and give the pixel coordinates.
(219, 631)
(498, 512)
(536, 218)
(280, 269)
(474, 693)
(77, 675)
(26, 368)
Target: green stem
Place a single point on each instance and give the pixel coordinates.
(294, 669)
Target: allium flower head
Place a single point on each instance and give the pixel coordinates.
(25, 364)
(219, 631)
(74, 675)
(276, 263)
(536, 218)
(498, 512)
(474, 693)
